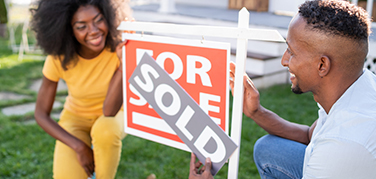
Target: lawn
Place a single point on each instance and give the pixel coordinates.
(26, 151)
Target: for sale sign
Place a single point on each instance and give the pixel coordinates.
(194, 127)
(200, 67)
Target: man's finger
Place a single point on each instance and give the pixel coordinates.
(232, 85)
(203, 169)
(232, 75)
(232, 66)
(232, 69)
(192, 166)
(208, 164)
(248, 83)
(198, 164)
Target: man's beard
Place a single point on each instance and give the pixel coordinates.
(296, 89)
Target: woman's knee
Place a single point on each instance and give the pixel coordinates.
(65, 163)
(106, 131)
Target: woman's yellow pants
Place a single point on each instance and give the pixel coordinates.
(105, 134)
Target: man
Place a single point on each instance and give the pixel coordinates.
(327, 44)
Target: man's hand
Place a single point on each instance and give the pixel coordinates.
(251, 103)
(194, 169)
(85, 157)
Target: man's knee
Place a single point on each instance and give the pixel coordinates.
(265, 143)
(267, 147)
(261, 147)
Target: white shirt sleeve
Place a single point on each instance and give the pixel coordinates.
(340, 158)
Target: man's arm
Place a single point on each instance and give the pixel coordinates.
(275, 125)
(266, 119)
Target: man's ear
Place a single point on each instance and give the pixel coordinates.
(324, 66)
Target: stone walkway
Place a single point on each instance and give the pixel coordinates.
(12, 96)
(29, 107)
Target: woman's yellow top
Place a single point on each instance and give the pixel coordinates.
(87, 81)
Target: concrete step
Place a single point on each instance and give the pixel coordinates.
(264, 70)
(267, 48)
(269, 80)
(260, 64)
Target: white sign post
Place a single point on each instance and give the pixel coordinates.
(242, 33)
(237, 107)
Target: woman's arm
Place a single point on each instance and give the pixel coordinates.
(45, 100)
(114, 97)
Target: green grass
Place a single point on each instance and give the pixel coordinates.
(26, 151)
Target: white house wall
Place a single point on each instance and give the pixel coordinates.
(206, 3)
(284, 6)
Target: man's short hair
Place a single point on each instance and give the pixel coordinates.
(336, 17)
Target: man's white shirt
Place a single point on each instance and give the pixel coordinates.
(343, 144)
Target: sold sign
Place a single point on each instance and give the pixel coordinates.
(194, 127)
(199, 67)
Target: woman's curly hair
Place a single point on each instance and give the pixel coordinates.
(52, 23)
(337, 17)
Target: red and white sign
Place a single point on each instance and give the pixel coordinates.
(200, 67)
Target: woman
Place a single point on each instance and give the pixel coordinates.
(80, 39)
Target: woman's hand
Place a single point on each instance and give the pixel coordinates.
(85, 157)
(119, 51)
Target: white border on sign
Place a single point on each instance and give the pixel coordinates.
(174, 41)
